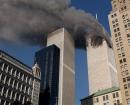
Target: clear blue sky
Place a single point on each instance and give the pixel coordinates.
(26, 53)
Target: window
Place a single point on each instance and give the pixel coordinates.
(126, 72)
(128, 24)
(118, 102)
(116, 20)
(115, 35)
(5, 66)
(117, 44)
(116, 39)
(119, 34)
(124, 79)
(128, 101)
(115, 14)
(126, 93)
(128, 35)
(125, 86)
(121, 43)
(113, 95)
(97, 100)
(123, 16)
(2, 102)
(128, 78)
(117, 24)
(119, 55)
(128, 85)
(120, 38)
(125, 66)
(103, 98)
(118, 29)
(122, 49)
(106, 97)
(120, 61)
(123, 54)
(125, 26)
(113, 21)
(124, 59)
(125, 7)
(128, 40)
(117, 94)
(114, 26)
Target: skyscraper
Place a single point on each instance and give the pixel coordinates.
(62, 39)
(119, 20)
(48, 60)
(102, 73)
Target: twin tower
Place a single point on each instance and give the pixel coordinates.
(58, 68)
(57, 63)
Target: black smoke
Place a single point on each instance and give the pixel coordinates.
(31, 21)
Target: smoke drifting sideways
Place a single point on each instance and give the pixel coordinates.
(30, 21)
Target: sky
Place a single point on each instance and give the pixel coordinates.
(26, 53)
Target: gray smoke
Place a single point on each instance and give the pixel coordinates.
(30, 21)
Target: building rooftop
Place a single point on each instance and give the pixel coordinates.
(102, 92)
(106, 91)
(16, 61)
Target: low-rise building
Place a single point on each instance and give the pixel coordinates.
(111, 96)
(17, 81)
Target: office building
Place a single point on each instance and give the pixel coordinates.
(119, 20)
(48, 60)
(63, 40)
(111, 96)
(102, 73)
(17, 81)
(36, 71)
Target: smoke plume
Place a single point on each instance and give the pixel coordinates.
(30, 21)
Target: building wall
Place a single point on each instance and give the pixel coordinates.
(16, 80)
(62, 39)
(48, 60)
(36, 84)
(119, 20)
(108, 99)
(112, 98)
(102, 73)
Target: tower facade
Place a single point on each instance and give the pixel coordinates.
(119, 20)
(102, 73)
(36, 84)
(48, 60)
(63, 40)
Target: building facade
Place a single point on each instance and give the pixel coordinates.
(63, 40)
(16, 81)
(36, 84)
(119, 20)
(111, 96)
(48, 60)
(102, 73)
